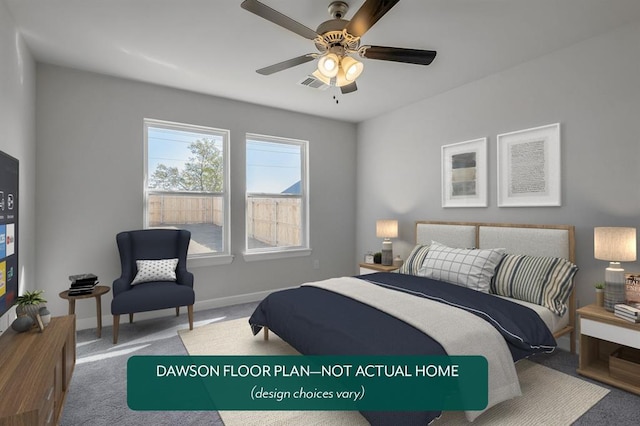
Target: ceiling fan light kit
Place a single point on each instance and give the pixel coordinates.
(343, 72)
(328, 65)
(338, 38)
(352, 68)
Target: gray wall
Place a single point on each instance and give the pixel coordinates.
(89, 163)
(592, 89)
(17, 123)
(89, 184)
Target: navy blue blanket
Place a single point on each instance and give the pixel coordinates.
(318, 322)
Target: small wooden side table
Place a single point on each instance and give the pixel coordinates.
(601, 333)
(97, 292)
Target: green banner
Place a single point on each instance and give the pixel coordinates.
(307, 383)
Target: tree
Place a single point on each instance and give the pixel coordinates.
(203, 171)
(166, 178)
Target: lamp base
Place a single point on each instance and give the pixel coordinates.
(614, 286)
(387, 253)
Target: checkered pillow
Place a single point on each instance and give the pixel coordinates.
(414, 262)
(155, 270)
(545, 281)
(471, 268)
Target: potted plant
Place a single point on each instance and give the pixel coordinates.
(29, 303)
(599, 293)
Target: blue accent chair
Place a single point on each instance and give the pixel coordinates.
(152, 244)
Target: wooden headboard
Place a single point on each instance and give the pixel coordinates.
(534, 240)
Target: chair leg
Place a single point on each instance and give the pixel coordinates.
(177, 311)
(190, 315)
(130, 318)
(116, 325)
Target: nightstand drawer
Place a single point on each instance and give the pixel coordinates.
(611, 333)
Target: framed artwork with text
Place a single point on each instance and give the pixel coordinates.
(529, 167)
(632, 288)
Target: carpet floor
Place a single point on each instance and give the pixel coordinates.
(98, 391)
(549, 396)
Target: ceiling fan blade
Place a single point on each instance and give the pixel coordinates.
(349, 88)
(368, 14)
(264, 11)
(280, 66)
(398, 54)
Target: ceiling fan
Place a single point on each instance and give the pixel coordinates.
(337, 40)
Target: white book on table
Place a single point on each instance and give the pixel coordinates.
(629, 318)
(627, 309)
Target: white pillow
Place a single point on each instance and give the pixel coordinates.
(471, 268)
(155, 270)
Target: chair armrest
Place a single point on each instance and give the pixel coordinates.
(120, 285)
(184, 277)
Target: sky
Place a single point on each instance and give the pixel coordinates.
(271, 167)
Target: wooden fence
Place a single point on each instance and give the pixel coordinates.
(273, 222)
(173, 209)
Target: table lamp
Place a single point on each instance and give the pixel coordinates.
(387, 228)
(615, 244)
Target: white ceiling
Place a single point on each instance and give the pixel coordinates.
(214, 46)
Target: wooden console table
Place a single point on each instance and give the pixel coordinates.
(35, 373)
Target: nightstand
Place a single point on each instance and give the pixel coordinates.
(370, 268)
(601, 334)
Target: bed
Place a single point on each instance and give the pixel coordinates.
(513, 290)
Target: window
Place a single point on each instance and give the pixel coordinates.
(186, 184)
(276, 199)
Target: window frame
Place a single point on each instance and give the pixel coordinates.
(304, 249)
(204, 259)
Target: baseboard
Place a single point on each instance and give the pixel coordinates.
(107, 320)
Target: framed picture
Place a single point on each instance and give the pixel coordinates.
(464, 174)
(529, 167)
(632, 288)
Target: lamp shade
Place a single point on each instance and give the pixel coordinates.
(387, 228)
(352, 68)
(338, 81)
(326, 80)
(328, 65)
(614, 244)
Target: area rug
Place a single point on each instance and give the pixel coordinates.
(549, 396)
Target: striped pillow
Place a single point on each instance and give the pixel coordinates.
(545, 281)
(471, 268)
(415, 260)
